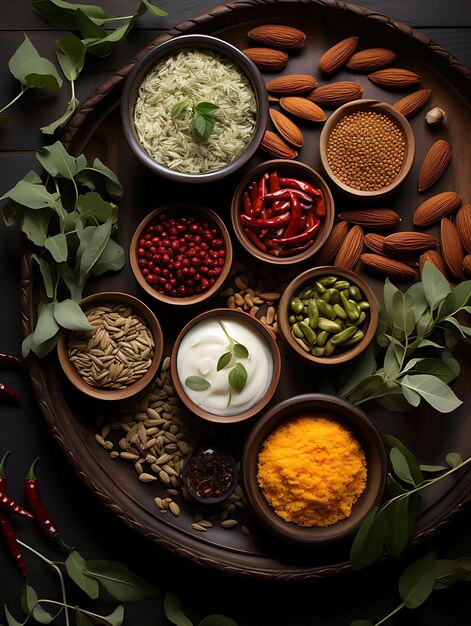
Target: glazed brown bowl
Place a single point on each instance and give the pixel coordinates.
(344, 356)
(369, 438)
(272, 347)
(286, 169)
(174, 46)
(100, 393)
(391, 113)
(206, 214)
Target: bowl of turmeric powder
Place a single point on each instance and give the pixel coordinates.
(313, 467)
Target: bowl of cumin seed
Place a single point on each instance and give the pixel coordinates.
(119, 357)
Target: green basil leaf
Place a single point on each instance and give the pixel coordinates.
(94, 248)
(369, 541)
(57, 246)
(35, 224)
(173, 610)
(69, 315)
(81, 619)
(438, 368)
(113, 186)
(393, 487)
(152, 9)
(420, 302)
(448, 358)
(447, 572)
(46, 326)
(63, 14)
(424, 323)
(51, 128)
(238, 377)
(436, 286)
(354, 376)
(33, 70)
(394, 400)
(87, 26)
(401, 524)
(203, 124)
(204, 108)
(28, 598)
(454, 459)
(417, 581)
(223, 361)
(26, 345)
(103, 46)
(401, 466)
(12, 213)
(75, 565)
(391, 362)
(433, 390)
(411, 396)
(453, 337)
(433, 468)
(119, 581)
(114, 619)
(179, 108)
(11, 621)
(32, 195)
(456, 300)
(217, 620)
(70, 53)
(240, 351)
(42, 616)
(111, 259)
(369, 387)
(196, 383)
(57, 162)
(413, 464)
(46, 274)
(464, 331)
(92, 209)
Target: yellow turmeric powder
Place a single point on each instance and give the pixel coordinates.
(312, 471)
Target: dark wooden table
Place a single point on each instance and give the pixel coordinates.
(85, 523)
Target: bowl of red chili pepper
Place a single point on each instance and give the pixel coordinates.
(282, 212)
(181, 253)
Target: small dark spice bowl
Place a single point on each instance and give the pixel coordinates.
(337, 411)
(210, 474)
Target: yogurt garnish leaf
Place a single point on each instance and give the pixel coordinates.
(196, 383)
(224, 360)
(240, 351)
(238, 377)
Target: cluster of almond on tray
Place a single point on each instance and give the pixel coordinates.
(399, 254)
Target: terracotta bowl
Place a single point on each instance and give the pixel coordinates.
(139, 308)
(199, 210)
(369, 326)
(174, 46)
(272, 346)
(212, 499)
(287, 169)
(396, 117)
(355, 420)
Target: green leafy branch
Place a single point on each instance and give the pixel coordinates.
(421, 578)
(390, 525)
(202, 115)
(392, 378)
(69, 246)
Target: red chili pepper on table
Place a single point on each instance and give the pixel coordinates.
(6, 526)
(300, 184)
(303, 237)
(274, 222)
(285, 194)
(294, 225)
(255, 240)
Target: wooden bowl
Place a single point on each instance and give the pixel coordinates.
(369, 325)
(151, 321)
(396, 117)
(262, 402)
(288, 169)
(201, 211)
(355, 420)
(174, 46)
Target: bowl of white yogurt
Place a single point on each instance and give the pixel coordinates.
(225, 366)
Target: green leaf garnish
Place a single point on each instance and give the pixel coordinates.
(179, 108)
(238, 377)
(240, 351)
(204, 108)
(202, 121)
(224, 360)
(196, 383)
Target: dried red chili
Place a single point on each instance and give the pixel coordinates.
(209, 473)
(261, 192)
(8, 394)
(295, 222)
(285, 194)
(303, 237)
(274, 182)
(300, 184)
(258, 243)
(6, 526)
(247, 204)
(274, 222)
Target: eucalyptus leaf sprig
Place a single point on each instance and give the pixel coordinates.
(202, 115)
(237, 375)
(422, 577)
(390, 373)
(69, 246)
(390, 525)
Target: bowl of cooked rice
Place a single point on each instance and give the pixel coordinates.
(194, 109)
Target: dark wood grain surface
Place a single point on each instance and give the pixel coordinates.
(85, 523)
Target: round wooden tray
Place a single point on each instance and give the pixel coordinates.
(96, 131)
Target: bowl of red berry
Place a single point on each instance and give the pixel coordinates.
(181, 253)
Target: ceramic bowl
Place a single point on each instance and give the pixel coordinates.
(396, 117)
(342, 356)
(190, 208)
(366, 433)
(266, 335)
(286, 169)
(174, 46)
(211, 499)
(100, 393)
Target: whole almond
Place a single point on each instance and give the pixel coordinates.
(436, 207)
(432, 257)
(388, 267)
(287, 129)
(350, 250)
(274, 145)
(338, 55)
(410, 241)
(267, 59)
(435, 163)
(272, 98)
(377, 219)
(302, 107)
(411, 104)
(375, 243)
(333, 243)
(463, 225)
(394, 78)
(292, 84)
(278, 36)
(335, 94)
(452, 250)
(371, 59)
(467, 265)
